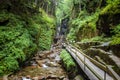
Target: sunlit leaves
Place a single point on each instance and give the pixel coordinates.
(67, 60)
(64, 9)
(112, 7)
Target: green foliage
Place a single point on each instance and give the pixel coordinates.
(112, 7)
(67, 61)
(13, 42)
(116, 30)
(21, 36)
(44, 26)
(63, 9)
(45, 38)
(3, 16)
(48, 20)
(7, 65)
(97, 38)
(83, 21)
(116, 36)
(71, 36)
(115, 39)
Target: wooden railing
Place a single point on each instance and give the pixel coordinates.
(105, 68)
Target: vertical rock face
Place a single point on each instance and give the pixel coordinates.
(94, 18)
(107, 22)
(115, 49)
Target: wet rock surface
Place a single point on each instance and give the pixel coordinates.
(44, 66)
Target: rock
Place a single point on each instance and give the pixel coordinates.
(78, 77)
(33, 63)
(65, 79)
(44, 66)
(86, 45)
(5, 77)
(24, 78)
(52, 77)
(36, 58)
(1, 78)
(39, 62)
(31, 67)
(35, 78)
(57, 58)
(28, 76)
(41, 78)
(44, 54)
(52, 64)
(52, 56)
(116, 50)
(61, 77)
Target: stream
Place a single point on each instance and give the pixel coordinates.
(45, 65)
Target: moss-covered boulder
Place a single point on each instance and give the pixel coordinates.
(23, 30)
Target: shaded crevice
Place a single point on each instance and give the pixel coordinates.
(3, 23)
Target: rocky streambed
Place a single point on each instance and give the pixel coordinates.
(44, 66)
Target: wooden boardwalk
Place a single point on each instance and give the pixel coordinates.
(93, 69)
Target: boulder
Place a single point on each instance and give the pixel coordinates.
(78, 77)
(52, 64)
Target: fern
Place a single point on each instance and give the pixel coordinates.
(111, 8)
(68, 61)
(22, 34)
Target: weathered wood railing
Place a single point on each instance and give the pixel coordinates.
(106, 68)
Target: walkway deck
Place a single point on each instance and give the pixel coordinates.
(92, 71)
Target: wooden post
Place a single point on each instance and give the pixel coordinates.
(84, 62)
(76, 55)
(105, 73)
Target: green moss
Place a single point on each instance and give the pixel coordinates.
(83, 23)
(116, 36)
(71, 36)
(67, 61)
(111, 8)
(45, 28)
(7, 65)
(21, 36)
(116, 29)
(14, 42)
(97, 38)
(45, 38)
(3, 16)
(115, 40)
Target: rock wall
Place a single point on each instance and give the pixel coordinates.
(24, 29)
(94, 18)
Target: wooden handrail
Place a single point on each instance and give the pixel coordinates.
(113, 73)
(97, 75)
(105, 68)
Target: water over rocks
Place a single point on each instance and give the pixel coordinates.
(44, 66)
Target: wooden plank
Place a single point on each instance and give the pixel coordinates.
(113, 73)
(101, 66)
(95, 73)
(97, 63)
(109, 70)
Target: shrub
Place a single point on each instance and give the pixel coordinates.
(68, 61)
